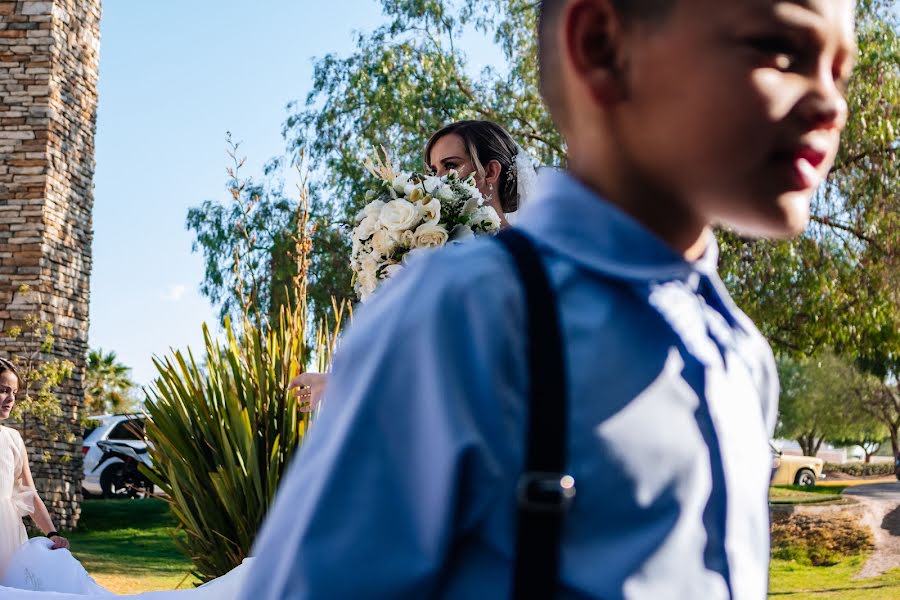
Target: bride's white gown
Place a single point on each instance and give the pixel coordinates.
(29, 570)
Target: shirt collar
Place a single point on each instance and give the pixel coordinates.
(574, 221)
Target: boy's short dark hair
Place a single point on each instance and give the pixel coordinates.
(548, 53)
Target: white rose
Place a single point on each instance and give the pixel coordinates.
(485, 219)
(372, 209)
(430, 212)
(460, 233)
(407, 238)
(399, 182)
(470, 206)
(384, 242)
(431, 235)
(366, 228)
(399, 215)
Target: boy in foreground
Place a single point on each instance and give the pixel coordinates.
(679, 116)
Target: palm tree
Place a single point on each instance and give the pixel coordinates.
(107, 384)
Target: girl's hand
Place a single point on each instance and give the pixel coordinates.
(310, 387)
(59, 543)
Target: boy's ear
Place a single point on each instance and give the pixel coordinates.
(593, 42)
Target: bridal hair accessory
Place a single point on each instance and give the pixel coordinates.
(526, 181)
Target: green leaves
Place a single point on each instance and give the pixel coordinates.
(223, 435)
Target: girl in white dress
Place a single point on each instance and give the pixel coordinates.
(43, 568)
(18, 496)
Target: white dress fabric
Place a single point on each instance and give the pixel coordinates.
(16, 499)
(30, 570)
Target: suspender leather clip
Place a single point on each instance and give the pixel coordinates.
(545, 492)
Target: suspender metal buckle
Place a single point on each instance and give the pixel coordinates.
(545, 492)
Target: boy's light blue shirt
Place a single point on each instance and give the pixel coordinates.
(405, 486)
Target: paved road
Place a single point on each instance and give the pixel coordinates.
(885, 492)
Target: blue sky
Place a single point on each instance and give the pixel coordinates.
(175, 75)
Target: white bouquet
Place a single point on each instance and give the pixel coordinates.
(408, 212)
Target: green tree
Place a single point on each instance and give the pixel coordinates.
(822, 400)
(248, 244)
(108, 387)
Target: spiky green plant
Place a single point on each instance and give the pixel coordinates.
(223, 435)
(223, 431)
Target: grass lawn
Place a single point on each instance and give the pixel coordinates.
(128, 546)
(812, 494)
(793, 581)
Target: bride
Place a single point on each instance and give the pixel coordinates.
(504, 174)
(37, 569)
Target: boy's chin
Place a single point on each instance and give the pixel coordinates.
(784, 217)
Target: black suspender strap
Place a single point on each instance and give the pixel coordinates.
(544, 491)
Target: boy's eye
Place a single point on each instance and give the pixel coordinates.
(779, 52)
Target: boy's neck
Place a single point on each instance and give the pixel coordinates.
(665, 216)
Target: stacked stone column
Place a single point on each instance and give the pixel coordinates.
(49, 55)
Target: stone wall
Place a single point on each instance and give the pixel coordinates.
(49, 58)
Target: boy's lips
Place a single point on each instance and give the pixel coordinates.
(801, 163)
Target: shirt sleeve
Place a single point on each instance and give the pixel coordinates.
(409, 447)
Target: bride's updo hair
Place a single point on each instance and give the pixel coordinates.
(486, 141)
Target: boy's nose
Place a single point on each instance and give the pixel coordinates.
(824, 106)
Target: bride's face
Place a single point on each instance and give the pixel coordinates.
(9, 387)
(449, 154)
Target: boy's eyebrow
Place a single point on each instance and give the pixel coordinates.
(805, 14)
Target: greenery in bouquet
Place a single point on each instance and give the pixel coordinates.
(408, 212)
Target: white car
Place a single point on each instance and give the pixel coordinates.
(127, 429)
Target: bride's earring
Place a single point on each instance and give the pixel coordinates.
(490, 192)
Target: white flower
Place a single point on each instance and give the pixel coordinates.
(460, 233)
(372, 209)
(384, 242)
(485, 219)
(431, 183)
(430, 235)
(407, 238)
(445, 193)
(366, 228)
(366, 283)
(399, 182)
(471, 206)
(399, 215)
(430, 211)
(409, 188)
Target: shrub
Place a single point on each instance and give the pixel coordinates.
(819, 540)
(860, 469)
(223, 435)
